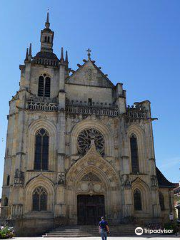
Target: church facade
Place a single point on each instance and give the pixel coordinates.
(75, 151)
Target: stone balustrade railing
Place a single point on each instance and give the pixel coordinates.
(46, 106)
(135, 113)
(92, 110)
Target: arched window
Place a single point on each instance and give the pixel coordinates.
(134, 154)
(41, 150)
(137, 200)
(47, 87)
(8, 180)
(39, 199)
(161, 201)
(45, 39)
(5, 201)
(44, 86)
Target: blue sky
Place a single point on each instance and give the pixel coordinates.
(136, 42)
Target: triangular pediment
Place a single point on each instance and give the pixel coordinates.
(89, 75)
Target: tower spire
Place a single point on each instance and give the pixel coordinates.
(62, 55)
(47, 36)
(47, 24)
(26, 55)
(30, 50)
(66, 58)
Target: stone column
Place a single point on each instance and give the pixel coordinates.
(61, 130)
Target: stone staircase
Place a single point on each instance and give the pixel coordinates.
(90, 231)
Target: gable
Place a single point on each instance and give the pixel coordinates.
(89, 75)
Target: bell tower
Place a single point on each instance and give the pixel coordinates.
(47, 37)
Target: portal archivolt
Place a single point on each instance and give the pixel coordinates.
(92, 173)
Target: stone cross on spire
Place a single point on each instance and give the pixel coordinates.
(89, 54)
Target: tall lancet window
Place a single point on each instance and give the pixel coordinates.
(39, 199)
(134, 154)
(41, 150)
(44, 86)
(137, 200)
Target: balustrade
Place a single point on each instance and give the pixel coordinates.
(40, 104)
(89, 110)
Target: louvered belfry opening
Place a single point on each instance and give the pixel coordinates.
(44, 86)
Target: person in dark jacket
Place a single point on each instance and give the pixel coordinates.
(103, 228)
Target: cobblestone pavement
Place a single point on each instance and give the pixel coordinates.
(155, 237)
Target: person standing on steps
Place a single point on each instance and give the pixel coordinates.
(103, 228)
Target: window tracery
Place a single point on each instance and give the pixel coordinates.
(44, 86)
(40, 199)
(41, 150)
(134, 154)
(85, 139)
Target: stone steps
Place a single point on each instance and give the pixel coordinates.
(90, 231)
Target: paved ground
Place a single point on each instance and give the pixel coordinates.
(109, 238)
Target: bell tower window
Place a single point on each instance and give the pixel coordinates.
(44, 86)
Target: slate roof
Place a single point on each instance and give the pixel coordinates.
(162, 180)
(47, 55)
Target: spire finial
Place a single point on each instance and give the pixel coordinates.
(30, 50)
(66, 58)
(89, 54)
(62, 55)
(26, 54)
(47, 24)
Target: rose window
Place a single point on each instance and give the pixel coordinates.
(87, 137)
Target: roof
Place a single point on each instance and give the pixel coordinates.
(89, 74)
(162, 180)
(46, 58)
(47, 55)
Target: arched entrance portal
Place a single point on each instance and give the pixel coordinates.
(90, 208)
(93, 190)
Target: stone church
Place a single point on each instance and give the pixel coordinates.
(76, 151)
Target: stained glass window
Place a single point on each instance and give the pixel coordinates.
(134, 154)
(41, 150)
(137, 200)
(40, 199)
(85, 139)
